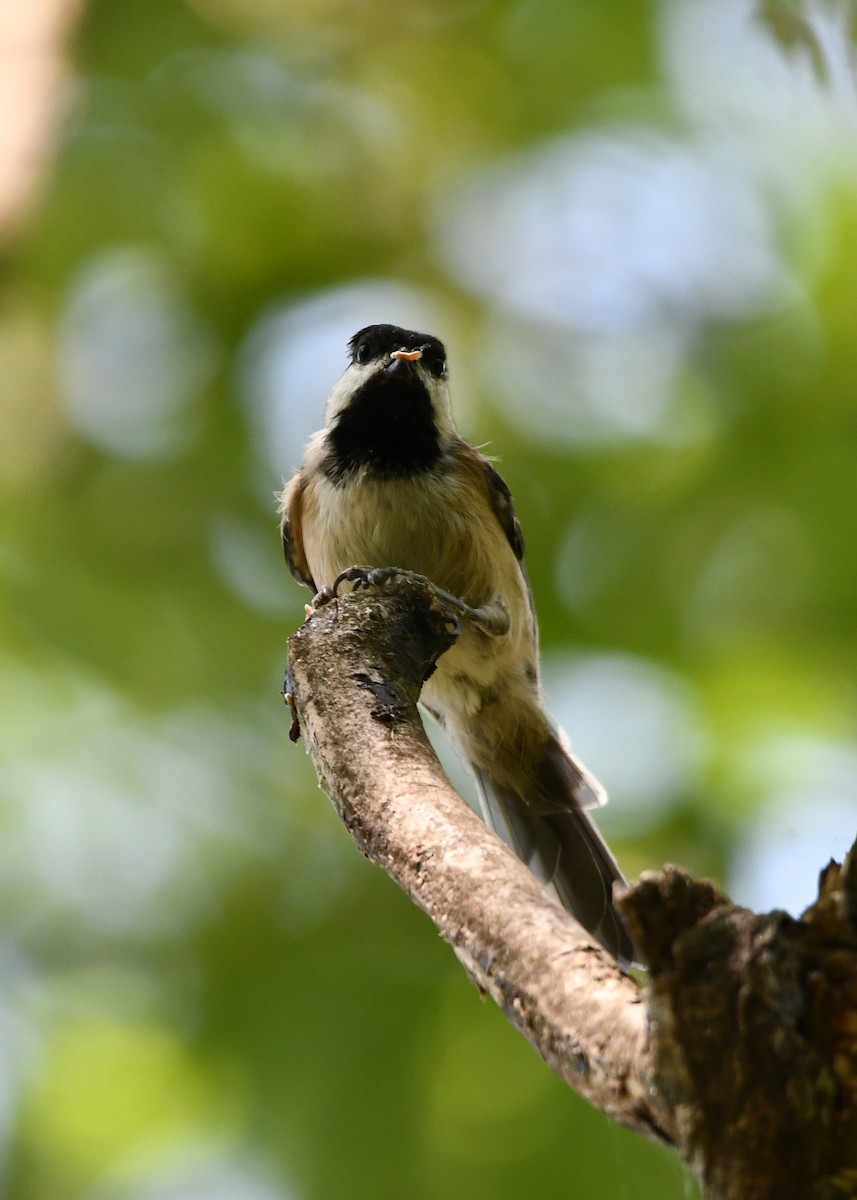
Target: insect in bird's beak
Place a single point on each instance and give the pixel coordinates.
(402, 360)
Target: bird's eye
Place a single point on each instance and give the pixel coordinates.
(435, 362)
(363, 353)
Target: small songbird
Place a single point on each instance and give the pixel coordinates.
(389, 483)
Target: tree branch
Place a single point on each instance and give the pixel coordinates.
(742, 1050)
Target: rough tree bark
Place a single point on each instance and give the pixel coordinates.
(740, 1049)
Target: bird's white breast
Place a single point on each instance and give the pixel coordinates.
(432, 526)
(414, 523)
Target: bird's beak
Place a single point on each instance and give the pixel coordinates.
(402, 360)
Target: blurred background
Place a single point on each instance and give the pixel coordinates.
(635, 226)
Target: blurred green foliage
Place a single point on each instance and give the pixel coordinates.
(208, 993)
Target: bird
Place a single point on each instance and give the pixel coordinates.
(388, 486)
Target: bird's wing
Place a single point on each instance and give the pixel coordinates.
(504, 508)
(291, 508)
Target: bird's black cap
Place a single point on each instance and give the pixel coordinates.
(376, 341)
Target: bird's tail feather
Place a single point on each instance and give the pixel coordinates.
(562, 846)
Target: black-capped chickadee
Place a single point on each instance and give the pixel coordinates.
(389, 483)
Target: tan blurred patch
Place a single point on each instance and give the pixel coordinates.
(32, 72)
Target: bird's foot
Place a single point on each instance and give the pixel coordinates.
(492, 619)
